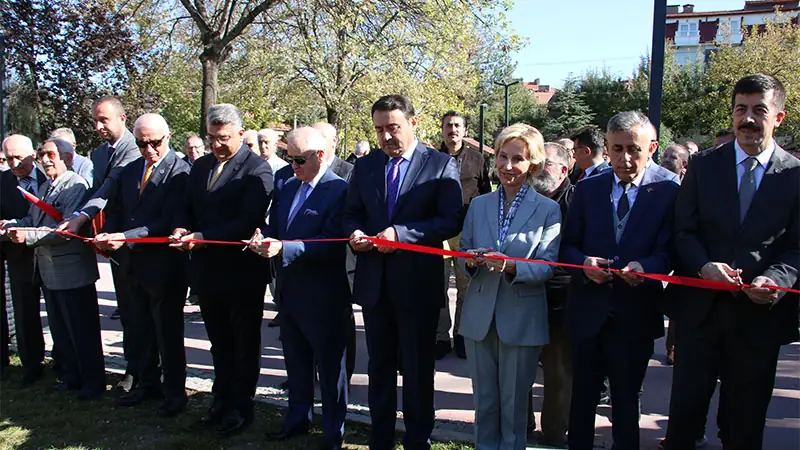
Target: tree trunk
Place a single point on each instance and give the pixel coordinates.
(211, 61)
(333, 116)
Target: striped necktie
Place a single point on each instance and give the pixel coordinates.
(216, 174)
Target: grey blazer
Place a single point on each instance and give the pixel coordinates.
(107, 165)
(517, 303)
(62, 263)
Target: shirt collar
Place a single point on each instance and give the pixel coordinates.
(32, 175)
(636, 182)
(322, 169)
(159, 161)
(762, 158)
(116, 144)
(410, 151)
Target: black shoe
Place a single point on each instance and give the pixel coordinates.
(213, 416)
(284, 385)
(89, 394)
(172, 406)
(458, 347)
(442, 349)
(276, 322)
(138, 395)
(115, 315)
(32, 376)
(233, 423)
(284, 435)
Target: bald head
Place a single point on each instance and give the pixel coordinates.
(250, 139)
(329, 132)
(152, 121)
(19, 153)
(267, 142)
(152, 137)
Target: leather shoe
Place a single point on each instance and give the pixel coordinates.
(138, 395)
(31, 376)
(442, 349)
(172, 406)
(213, 416)
(283, 435)
(233, 423)
(458, 347)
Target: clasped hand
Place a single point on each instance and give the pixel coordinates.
(181, 239)
(360, 242)
(266, 247)
(109, 241)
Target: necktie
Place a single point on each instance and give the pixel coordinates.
(301, 197)
(747, 186)
(393, 184)
(624, 204)
(216, 174)
(147, 172)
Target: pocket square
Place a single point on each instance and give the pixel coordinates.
(310, 212)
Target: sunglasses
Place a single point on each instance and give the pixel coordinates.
(51, 155)
(154, 144)
(300, 160)
(3, 159)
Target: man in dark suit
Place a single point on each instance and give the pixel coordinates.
(146, 194)
(227, 196)
(194, 148)
(119, 150)
(589, 144)
(315, 315)
(411, 194)
(622, 219)
(736, 220)
(25, 291)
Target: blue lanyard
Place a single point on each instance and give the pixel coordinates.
(504, 221)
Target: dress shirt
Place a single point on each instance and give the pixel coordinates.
(33, 187)
(588, 172)
(762, 158)
(155, 166)
(633, 190)
(403, 166)
(297, 202)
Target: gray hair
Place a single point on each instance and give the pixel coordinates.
(64, 131)
(362, 148)
(566, 143)
(61, 145)
(153, 120)
(269, 135)
(562, 154)
(627, 121)
(223, 114)
(26, 142)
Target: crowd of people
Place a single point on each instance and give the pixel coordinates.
(322, 235)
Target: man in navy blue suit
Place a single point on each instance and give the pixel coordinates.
(312, 278)
(621, 219)
(406, 193)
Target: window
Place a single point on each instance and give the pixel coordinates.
(736, 24)
(688, 29)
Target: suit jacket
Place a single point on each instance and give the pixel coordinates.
(342, 169)
(576, 173)
(647, 237)
(319, 217)
(107, 164)
(427, 212)
(230, 211)
(558, 285)
(84, 167)
(151, 214)
(766, 243)
(62, 263)
(14, 206)
(517, 303)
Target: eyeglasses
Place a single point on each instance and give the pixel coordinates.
(51, 155)
(154, 144)
(550, 163)
(221, 140)
(300, 160)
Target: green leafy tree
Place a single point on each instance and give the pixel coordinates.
(568, 111)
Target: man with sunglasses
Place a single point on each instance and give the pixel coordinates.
(145, 195)
(314, 314)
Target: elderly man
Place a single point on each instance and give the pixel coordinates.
(75, 162)
(570, 146)
(226, 199)
(474, 176)
(362, 148)
(411, 194)
(729, 228)
(676, 159)
(315, 315)
(109, 118)
(268, 149)
(589, 145)
(25, 292)
(68, 271)
(194, 148)
(553, 182)
(691, 146)
(341, 168)
(621, 218)
(250, 139)
(146, 194)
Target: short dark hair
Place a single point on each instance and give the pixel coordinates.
(453, 113)
(114, 100)
(591, 137)
(392, 102)
(724, 132)
(760, 84)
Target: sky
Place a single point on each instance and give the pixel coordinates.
(570, 37)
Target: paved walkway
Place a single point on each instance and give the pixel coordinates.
(453, 398)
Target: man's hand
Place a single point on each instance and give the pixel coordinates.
(598, 276)
(73, 225)
(359, 243)
(628, 273)
(17, 236)
(180, 236)
(109, 241)
(266, 247)
(720, 272)
(760, 291)
(477, 258)
(388, 234)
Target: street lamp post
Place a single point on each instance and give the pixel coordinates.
(657, 62)
(2, 87)
(506, 86)
(481, 125)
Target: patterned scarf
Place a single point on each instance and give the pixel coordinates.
(504, 221)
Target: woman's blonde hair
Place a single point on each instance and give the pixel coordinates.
(534, 144)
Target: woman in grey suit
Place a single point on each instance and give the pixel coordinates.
(504, 320)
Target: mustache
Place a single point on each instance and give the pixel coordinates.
(749, 126)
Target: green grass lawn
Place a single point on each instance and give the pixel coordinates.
(37, 418)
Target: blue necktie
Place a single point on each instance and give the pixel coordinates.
(301, 198)
(747, 186)
(393, 184)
